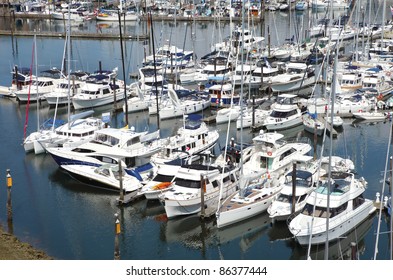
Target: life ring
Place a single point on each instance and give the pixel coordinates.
(388, 73)
(162, 185)
(380, 96)
(269, 153)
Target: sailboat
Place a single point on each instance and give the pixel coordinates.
(76, 131)
(256, 194)
(336, 207)
(113, 15)
(28, 142)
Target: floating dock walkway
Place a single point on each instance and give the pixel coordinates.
(74, 35)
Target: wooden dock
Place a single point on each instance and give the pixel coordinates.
(210, 119)
(329, 128)
(74, 35)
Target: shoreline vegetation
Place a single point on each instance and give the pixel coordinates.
(11, 248)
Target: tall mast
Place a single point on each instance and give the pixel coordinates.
(68, 35)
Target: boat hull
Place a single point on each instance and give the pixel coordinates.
(227, 218)
(82, 103)
(283, 124)
(337, 228)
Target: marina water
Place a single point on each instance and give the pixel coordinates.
(69, 220)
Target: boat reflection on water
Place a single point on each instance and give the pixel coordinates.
(190, 231)
(144, 208)
(340, 249)
(195, 233)
(248, 231)
(279, 231)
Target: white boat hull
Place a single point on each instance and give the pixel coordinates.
(7, 91)
(82, 103)
(226, 218)
(337, 227)
(292, 86)
(188, 206)
(282, 124)
(370, 116)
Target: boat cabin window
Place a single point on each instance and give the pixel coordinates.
(302, 198)
(133, 141)
(163, 178)
(108, 160)
(284, 198)
(266, 163)
(321, 212)
(105, 159)
(81, 150)
(104, 172)
(300, 182)
(226, 179)
(90, 92)
(358, 201)
(288, 198)
(287, 153)
(282, 115)
(188, 183)
(130, 161)
(112, 140)
(106, 91)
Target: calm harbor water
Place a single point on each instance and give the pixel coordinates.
(69, 220)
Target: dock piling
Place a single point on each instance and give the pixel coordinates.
(117, 233)
(9, 202)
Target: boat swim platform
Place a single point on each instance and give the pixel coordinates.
(129, 198)
(74, 35)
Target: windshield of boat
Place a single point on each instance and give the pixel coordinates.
(283, 115)
(300, 182)
(288, 198)
(163, 178)
(321, 212)
(188, 183)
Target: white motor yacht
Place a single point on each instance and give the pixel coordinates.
(193, 181)
(285, 113)
(346, 209)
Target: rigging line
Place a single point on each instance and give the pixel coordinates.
(383, 191)
(332, 92)
(315, 199)
(30, 82)
(226, 148)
